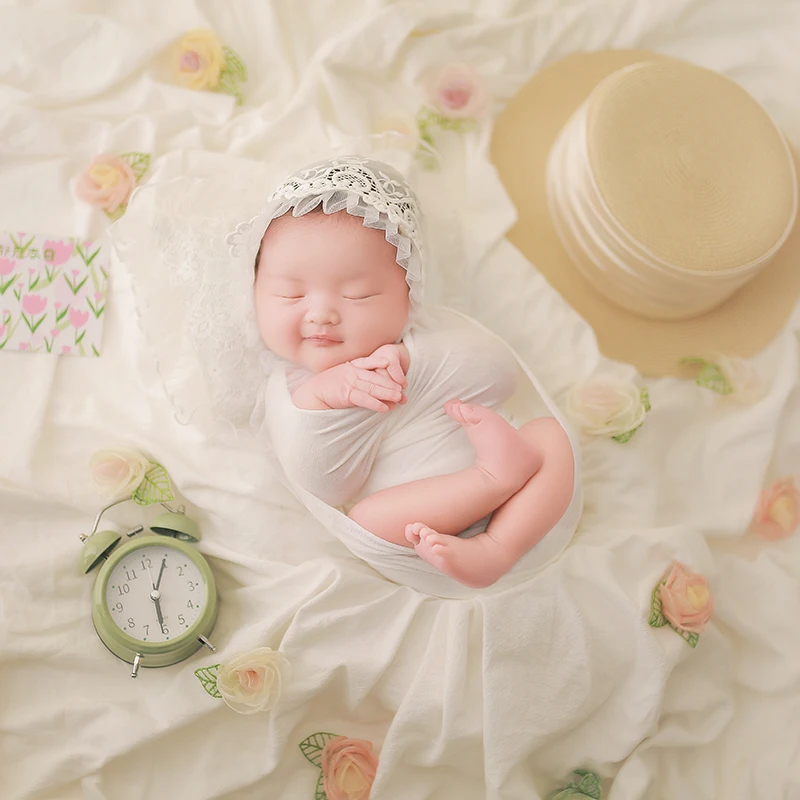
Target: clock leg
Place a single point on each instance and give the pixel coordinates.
(135, 668)
(206, 643)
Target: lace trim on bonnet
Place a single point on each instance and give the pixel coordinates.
(194, 287)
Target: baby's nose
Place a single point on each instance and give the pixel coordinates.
(323, 314)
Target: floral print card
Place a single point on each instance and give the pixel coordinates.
(52, 294)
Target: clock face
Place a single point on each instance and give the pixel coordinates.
(156, 593)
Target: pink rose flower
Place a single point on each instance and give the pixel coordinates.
(33, 303)
(348, 768)
(107, 183)
(78, 318)
(7, 266)
(457, 91)
(778, 511)
(59, 250)
(686, 600)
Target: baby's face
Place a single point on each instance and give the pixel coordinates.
(328, 290)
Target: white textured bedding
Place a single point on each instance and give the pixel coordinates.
(495, 697)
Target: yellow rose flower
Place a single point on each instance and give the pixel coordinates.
(199, 60)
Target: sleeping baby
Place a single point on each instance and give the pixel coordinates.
(374, 409)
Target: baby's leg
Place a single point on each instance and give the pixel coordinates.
(450, 503)
(518, 525)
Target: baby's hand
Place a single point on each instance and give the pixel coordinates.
(348, 385)
(390, 359)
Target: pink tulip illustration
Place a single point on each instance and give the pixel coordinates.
(58, 305)
(34, 303)
(66, 349)
(7, 266)
(78, 318)
(75, 273)
(2, 330)
(55, 332)
(24, 345)
(57, 253)
(98, 295)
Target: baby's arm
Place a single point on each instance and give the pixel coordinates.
(375, 382)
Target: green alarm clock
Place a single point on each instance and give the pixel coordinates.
(154, 601)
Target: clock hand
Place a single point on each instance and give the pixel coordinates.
(158, 613)
(160, 573)
(152, 582)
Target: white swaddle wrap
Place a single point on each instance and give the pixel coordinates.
(332, 458)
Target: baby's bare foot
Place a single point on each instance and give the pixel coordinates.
(476, 562)
(501, 452)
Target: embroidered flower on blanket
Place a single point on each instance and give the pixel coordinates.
(728, 375)
(778, 512)
(608, 407)
(200, 61)
(248, 682)
(347, 766)
(682, 600)
(107, 183)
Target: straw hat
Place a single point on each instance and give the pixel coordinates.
(659, 199)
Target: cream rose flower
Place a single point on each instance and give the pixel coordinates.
(606, 407)
(252, 681)
(457, 91)
(686, 600)
(742, 377)
(198, 59)
(778, 511)
(117, 473)
(107, 183)
(348, 768)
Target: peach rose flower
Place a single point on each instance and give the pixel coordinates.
(743, 378)
(252, 681)
(458, 92)
(118, 473)
(348, 768)
(107, 183)
(606, 407)
(198, 59)
(778, 511)
(686, 600)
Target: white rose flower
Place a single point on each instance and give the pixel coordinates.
(252, 681)
(742, 377)
(606, 407)
(117, 473)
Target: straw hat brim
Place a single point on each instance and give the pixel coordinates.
(522, 139)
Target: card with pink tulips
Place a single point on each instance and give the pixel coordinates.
(52, 294)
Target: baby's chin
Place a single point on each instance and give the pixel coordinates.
(318, 359)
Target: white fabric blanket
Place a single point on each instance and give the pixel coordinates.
(493, 697)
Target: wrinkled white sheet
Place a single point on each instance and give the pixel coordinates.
(497, 697)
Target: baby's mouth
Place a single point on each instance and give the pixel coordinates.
(323, 340)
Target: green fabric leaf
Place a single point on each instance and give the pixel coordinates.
(710, 376)
(138, 162)
(229, 84)
(208, 677)
(116, 213)
(657, 618)
(313, 746)
(155, 487)
(627, 436)
(319, 792)
(234, 64)
(690, 638)
(645, 395)
(589, 784)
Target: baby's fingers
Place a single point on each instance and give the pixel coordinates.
(365, 400)
(392, 392)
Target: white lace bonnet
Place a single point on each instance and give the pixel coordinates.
(202, 327)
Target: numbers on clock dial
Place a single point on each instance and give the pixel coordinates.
(182, 594)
